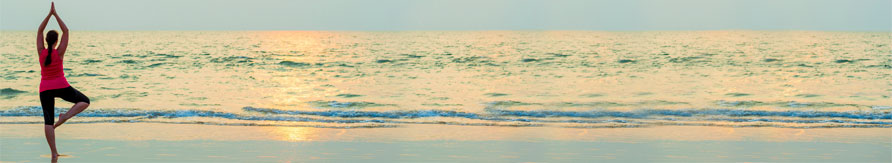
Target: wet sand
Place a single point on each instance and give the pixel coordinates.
(147, 142)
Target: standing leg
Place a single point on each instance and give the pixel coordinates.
(50, 132)
(48, 104)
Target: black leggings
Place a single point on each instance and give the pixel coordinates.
(48, 102)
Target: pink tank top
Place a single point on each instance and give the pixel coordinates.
(52, 77)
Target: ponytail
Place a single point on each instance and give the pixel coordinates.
(51, 38)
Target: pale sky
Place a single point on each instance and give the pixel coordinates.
(364, 15)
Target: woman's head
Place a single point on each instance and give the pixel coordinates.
(51, 37)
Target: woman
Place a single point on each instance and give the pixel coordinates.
(52, 81)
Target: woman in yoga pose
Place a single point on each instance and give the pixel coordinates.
(52, 79)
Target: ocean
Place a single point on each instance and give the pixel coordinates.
(553, 79)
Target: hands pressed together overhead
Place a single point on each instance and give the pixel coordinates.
(63, 39)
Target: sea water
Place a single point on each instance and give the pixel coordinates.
(576, 79)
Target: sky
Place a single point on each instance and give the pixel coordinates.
(395, 15)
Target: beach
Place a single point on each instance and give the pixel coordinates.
(439, 143)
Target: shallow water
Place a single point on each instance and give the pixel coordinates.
(576, 79)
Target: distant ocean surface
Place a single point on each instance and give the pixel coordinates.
(575, 79)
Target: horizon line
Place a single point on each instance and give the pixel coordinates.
(470, 30)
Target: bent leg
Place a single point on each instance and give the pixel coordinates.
(81, 102)
(77, 108)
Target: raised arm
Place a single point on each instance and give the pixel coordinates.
(40, 46)
(63, 44)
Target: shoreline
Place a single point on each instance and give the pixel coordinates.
(435, 132)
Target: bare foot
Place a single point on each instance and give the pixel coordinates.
(62, 119)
